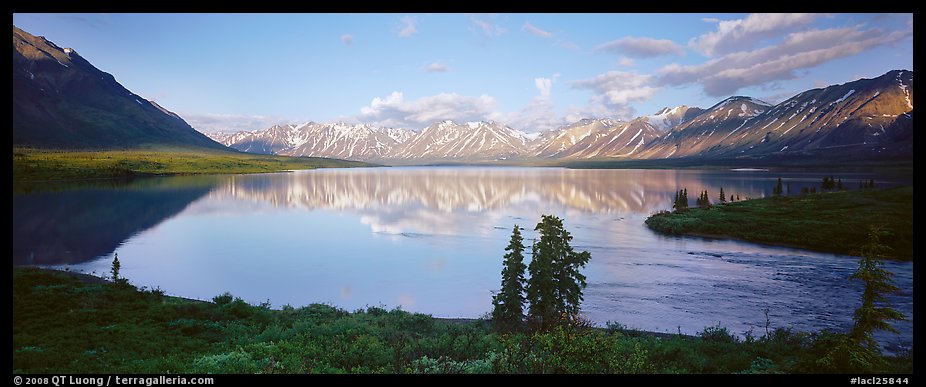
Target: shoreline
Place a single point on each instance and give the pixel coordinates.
(65, 322)
(828, 222)
(96, 280)
(38, 166)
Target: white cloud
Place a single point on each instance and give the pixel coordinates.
(408, 26)
(484, 23)
(725, 75)
(395, 111)
(642, 47)
(613, 92)
(436, 67)
(539, 114)
(742, 34)
(230, 123)
(619, 87)
(536, 31)
(544, 86)
(625, 61)
(558, 42)
(347, 39)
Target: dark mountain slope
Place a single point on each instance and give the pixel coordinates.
(60, 100)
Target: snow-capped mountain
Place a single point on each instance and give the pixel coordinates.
(666, 118)
(560, 142)
(471, 140)
(867, 117)
(590, 138)
(337, 140)
(702, 131)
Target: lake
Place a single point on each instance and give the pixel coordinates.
(431, 240)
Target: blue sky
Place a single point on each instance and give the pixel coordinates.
(533, 72)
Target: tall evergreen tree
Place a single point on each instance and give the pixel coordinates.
(875, 311)
(555, 286)
(115, 269)
(839, 185)
(703, 199)
(681, 200)
(777, 191)
(723, 199)
(508, 304)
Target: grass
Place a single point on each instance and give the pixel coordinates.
(63, 323)
(42, 164)
(835, 222)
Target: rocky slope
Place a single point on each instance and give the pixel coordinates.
(60, 100)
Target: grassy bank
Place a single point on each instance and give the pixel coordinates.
(835, 222)
(40, 165)
(64, 324)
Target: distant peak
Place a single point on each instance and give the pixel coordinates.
(742, 98)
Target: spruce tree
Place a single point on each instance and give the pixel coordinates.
(508, 304)
(828, 183)
(777, 191)
(681, 200)
(704, 199)
(554, 289)
(723, 199)
(875, 311)
(115, 269)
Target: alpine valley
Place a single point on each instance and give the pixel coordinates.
(864, 119)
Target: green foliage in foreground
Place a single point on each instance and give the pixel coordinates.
(36, 165)
(63, 325)
(833, 221)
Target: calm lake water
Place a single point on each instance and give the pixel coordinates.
(431, 240)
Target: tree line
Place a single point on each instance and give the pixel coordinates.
(680, 203)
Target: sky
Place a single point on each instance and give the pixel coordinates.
(533, 72)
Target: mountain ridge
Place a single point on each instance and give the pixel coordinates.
(866, 118)
(60, 100)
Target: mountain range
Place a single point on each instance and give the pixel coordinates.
(60, 100)
(866, 118)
